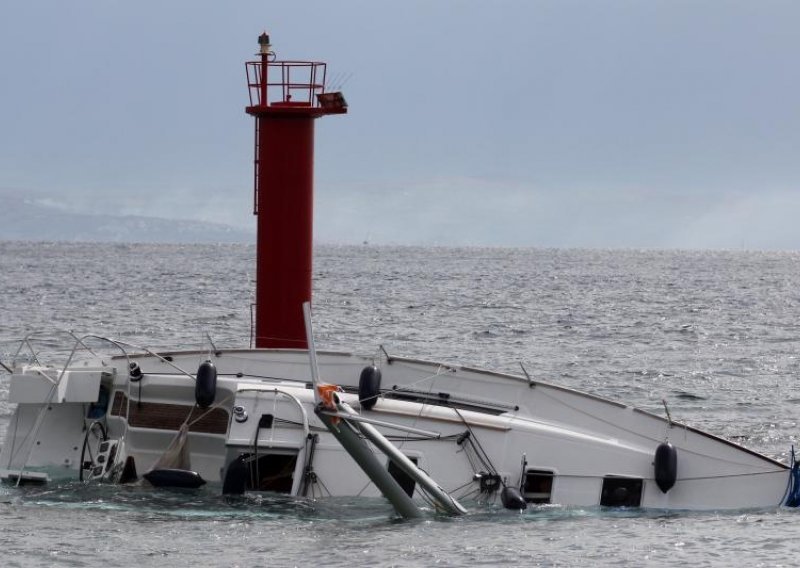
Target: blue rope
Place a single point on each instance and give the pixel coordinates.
(793, 490)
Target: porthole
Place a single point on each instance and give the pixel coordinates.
(621, 492)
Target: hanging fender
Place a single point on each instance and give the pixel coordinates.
(512, 498)
(666, 466)
(236, 476)
(205, 387)
(369, 386)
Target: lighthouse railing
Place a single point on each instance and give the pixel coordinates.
(289, 83)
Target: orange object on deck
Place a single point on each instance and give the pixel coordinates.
(326, 392)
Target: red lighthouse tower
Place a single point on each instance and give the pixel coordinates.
(285, 99)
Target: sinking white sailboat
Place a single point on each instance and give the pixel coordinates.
(251, 419)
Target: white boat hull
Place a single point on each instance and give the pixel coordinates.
(577, 449)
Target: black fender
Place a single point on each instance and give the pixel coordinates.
(369, 386)
(513, 499)
(665, 465)
(205, 388)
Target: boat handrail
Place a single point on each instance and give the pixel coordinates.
(31, 336)
(391, 425)
(293, 398)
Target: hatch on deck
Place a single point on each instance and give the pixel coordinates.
(273, 471)
(538, 486)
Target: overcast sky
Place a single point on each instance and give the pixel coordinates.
(594, 123)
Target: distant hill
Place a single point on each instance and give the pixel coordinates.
(32, 219)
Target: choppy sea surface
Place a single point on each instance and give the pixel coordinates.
(715, 334)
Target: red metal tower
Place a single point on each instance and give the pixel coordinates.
(285, 99)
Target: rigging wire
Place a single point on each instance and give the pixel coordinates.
(477, 447)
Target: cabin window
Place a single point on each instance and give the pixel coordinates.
(538, 486)
(621, 492)
(402, 478)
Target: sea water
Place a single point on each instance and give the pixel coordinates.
(714, 334)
